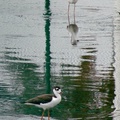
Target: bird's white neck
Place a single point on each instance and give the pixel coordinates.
(57, 95)
(57, 98)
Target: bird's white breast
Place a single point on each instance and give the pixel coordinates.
(51, 104)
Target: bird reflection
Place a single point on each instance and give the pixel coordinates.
(72, 27)
(71, 2)
(73, 30)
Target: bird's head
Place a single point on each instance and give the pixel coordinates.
(57, 90)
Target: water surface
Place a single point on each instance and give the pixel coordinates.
(37, 53)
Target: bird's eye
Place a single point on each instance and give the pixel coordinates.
(57, 89)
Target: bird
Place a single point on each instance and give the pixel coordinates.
(46, 101)
(71, 2)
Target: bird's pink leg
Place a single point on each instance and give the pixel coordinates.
(42, 116)
(48, 115)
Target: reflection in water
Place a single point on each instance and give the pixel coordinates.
(72, 29)
(20, 78)
(116, 113)
(92, 95)
(85, 72)
(47, 54)
(71, 2)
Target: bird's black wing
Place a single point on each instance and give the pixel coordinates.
(40, 99)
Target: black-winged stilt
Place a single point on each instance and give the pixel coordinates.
(46, 101)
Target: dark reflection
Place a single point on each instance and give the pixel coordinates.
(88, 96)
(72, 28)
(24, 82)
(47, 54)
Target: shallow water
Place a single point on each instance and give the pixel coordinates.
(37, 53)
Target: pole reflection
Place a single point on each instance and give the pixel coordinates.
(47, 52)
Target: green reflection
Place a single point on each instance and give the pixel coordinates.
(47, 53)
(88, 96)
